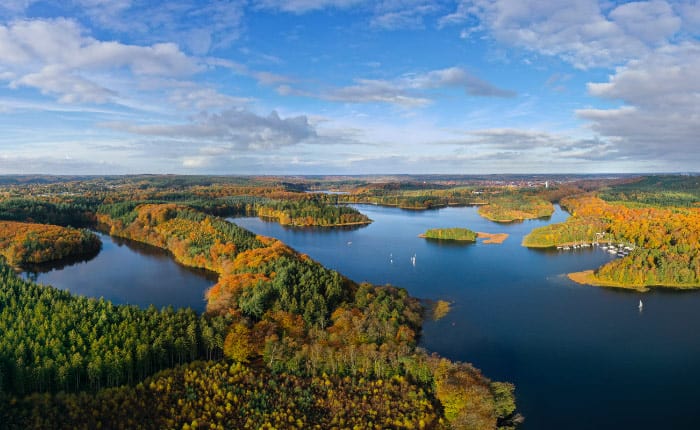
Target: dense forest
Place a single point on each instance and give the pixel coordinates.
(293, 314)
(347, 352)
(28, 243)
(497, 203)
(666, 242)
(76, 212)
(656, 191)
(456, 233)
(54, 341)
(222, 395)
(311, 212)
(516, 207)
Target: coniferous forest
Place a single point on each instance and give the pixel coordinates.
(285, 342)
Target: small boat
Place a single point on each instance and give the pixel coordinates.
(350, 243)
(641, 305)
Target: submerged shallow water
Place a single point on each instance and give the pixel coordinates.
(581, 357)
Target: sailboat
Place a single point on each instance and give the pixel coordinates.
(641, 305)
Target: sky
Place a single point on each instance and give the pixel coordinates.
(349, 86)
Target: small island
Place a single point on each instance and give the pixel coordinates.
(463, 235)
(455, 233)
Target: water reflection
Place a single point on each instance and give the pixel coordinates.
(128, 272)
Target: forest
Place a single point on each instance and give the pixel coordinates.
(29, 243)
(455, 233)
(53, 341)
(496, 202)
(512, 207)
(339, 354)
(666, 241)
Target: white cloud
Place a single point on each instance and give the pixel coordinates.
(57, 58)
(651, 22)
(237, 129)
(689, 11)
(456, 77)
(383, 14)
(408, 90)
(661, 112)
(399, 14)
(56, 80)
(581, 32)
(375, 91)
(303, 6)
(203, 99)
(197, 26)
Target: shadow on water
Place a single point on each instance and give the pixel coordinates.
(128, 272)
(310, 228)
(447, 243)
(33, 270)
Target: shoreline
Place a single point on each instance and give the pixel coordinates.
(587, 277)
(346, 224)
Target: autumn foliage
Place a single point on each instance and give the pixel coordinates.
(666, 241)
(294, 315)
(516, 207)
(22, 243)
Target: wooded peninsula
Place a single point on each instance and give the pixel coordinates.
(285, 342)
(332, 353)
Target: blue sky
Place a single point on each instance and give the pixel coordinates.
(349, 86)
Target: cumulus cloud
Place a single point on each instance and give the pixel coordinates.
(661, 112)
(651, 22)
(581, 32)
(56, 80)
(57, 58)
(62, 42)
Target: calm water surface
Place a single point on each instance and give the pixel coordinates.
(581, 357)
(129, 272)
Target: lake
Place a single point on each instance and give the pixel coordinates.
(581, 357)
(128, 272)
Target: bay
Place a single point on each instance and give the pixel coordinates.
(581, 357)
(128, 272)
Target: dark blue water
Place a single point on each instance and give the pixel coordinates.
(581, 357)
(128, 272)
